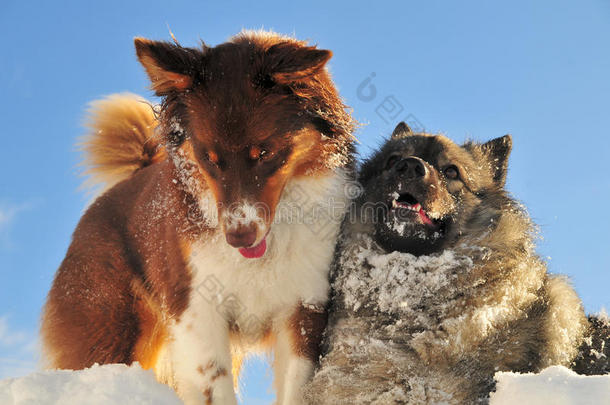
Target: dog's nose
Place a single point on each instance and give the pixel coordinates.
(243, 236)
(411, 167)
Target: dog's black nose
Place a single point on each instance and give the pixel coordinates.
(243, 236)
(411, 168)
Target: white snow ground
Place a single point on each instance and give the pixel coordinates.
(98, 385)
(122, 385)
(555, 385)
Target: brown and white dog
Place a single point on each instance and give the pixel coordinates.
(216, 230)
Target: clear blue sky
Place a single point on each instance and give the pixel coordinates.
(538, 70)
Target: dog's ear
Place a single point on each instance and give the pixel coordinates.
(170, 67)
(290, 62)
(401, 130)
(497, 151)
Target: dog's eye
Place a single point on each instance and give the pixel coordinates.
(392, 160)
(212, 157)
(452, 172)
(176, 137)
(260, 153)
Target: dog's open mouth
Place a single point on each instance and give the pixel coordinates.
(408, 202)
(410, 226)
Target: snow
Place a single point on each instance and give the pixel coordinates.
(555, 385)
(131, 385)
(98, 385)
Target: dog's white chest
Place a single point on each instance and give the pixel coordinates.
(254, 292)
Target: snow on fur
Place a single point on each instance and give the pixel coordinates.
(120, 384)
(98, 385)
(397, 280)
(410, 328)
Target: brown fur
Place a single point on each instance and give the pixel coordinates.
(152, 330)
(299, 103)
(121, 139)
(307, 326)
(92, 311)
(207, 393)
(260, 105)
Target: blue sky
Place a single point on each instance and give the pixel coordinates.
(473, 69)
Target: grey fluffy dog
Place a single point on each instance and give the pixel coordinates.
(437, 285)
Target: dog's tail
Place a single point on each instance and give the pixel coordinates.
(120, 139)
(594, 353)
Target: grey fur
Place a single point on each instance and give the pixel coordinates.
(594, 353)
(408, 327)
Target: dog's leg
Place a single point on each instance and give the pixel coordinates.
(201, 358)
(297, 349)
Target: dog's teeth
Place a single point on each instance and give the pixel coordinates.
(394, 204)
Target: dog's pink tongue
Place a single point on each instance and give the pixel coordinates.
(424, 218)
(254, 252)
